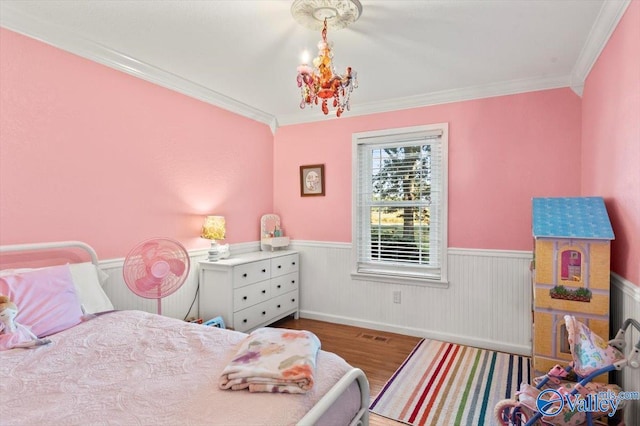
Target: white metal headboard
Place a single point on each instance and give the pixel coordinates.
(15, 248)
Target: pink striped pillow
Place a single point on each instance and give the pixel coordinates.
(46, 299)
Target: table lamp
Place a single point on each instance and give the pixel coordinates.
(214, 229)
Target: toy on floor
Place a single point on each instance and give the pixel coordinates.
(558, 401)
(12, 333)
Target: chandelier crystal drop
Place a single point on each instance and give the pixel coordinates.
(321, 82)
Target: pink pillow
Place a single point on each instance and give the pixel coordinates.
(46, 299)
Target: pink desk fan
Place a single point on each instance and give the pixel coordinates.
(156, 268)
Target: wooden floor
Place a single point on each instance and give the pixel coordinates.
(377, 353)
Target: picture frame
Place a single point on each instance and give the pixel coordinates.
(312, 180)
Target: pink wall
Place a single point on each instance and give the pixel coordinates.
(611, 139)
(93, 154)
(502, 152)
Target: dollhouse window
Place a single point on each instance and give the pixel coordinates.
(571, 265)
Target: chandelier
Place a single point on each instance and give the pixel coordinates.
(320, 82)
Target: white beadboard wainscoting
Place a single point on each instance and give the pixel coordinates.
(487, 303)
(175, 305)
(181, 304)
(625, 303)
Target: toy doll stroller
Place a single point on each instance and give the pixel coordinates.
(557, 401)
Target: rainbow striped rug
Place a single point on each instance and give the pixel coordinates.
(447, 384)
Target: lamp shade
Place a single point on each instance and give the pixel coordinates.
(213, 228)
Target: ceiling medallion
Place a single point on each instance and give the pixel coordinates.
(338, 13)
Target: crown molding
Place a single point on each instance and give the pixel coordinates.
(606, 22)
(610, 14)
(436, 98)
(70, 41)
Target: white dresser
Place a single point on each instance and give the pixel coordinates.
(250, 290)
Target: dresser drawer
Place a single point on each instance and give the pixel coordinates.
(249, 295)
(284, 284)
(284, 303)
(250, 273)
(284, 265)
(249, 318)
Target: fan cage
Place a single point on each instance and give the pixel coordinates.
(156, 268)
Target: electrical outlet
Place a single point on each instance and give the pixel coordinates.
(396, 297)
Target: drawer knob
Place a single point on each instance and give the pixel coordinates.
(293, 263)
(278, 306)
(244, 297)
(293, 300)
(244, 275)
(264, 313)
(264, 270)
(279, 266)
(279, 286)
(264, 291)
(293, 281)
(244, 320)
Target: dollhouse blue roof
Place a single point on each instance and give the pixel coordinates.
(571, 217)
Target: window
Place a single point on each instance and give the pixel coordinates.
(400, 205)
(570, 268)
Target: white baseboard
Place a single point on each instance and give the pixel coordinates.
(428, 334)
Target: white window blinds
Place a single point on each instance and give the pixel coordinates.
(400, 202)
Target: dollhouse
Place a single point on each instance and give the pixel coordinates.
(572, 237)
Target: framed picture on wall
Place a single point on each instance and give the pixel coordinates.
(312, 180)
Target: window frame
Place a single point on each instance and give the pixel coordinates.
(397, 274)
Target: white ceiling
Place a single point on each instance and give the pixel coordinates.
(242, 55)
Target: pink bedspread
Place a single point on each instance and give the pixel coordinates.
(135, 368)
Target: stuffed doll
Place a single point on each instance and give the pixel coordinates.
(12, 333)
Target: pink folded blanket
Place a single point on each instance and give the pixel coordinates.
(273, 360)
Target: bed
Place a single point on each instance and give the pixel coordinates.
(138, 368)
